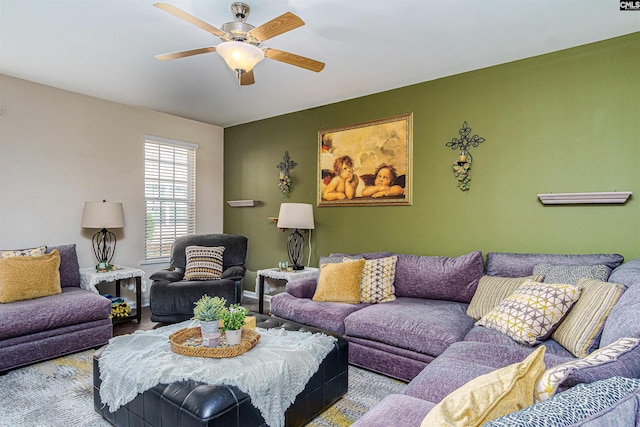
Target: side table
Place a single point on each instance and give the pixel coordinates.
(275, 273)
(89, 278)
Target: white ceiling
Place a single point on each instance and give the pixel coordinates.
(106, 48)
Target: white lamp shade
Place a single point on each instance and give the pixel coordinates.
(240, 55)
(103, 215)
(296, 215)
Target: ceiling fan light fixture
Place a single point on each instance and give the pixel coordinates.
(240, 56)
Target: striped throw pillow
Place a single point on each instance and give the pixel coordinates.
(582, 326)
(203, 262)
(492, 290)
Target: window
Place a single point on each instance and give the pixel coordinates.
(169, 194)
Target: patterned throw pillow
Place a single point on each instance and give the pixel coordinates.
(531, 311)
(203, 262)
(573, 406)
(492, 290)
(339, 282)
(23, 252)
(552, 378)
(571, 273)
(581, 328)
(489, 396)
(376, 284)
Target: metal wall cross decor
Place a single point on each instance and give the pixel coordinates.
(284, 181)
(462, 167)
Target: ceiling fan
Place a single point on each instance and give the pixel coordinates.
(240, 41)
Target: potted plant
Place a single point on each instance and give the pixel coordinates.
(209, 310)
(232, 323)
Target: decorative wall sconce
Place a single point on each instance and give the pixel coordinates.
(462, 167)
(285, 166)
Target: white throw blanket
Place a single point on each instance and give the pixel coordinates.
(273, 373)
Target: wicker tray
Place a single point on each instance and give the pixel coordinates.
(178, 344)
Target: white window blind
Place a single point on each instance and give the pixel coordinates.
(170, 194)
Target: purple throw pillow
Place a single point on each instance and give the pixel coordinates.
(69, 267)
(438, 277)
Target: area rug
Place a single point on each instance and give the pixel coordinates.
(59, 393)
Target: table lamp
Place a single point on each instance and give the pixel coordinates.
(298, 216)
(103, 215)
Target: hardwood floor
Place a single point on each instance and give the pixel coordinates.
(146, 324)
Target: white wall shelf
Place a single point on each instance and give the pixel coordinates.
(610, 197)
(243, 203)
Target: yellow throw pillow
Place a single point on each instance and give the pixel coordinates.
(492, 290)
(27, 277)
(489, 396)
(340, 282)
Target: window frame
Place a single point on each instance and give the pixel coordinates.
(169, 195)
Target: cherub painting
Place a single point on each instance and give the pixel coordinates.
(366, 164)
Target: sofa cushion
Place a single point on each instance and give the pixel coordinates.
(7, 253)
(489, 396)
(493, 337)
(339, 282)
(553, 377)
(531, 311)
(70, 307)
(405, 411)
(624, 319)
(575, 406)
(492, 290)
(302, 288)
(582, 326)
(465, 360)
(571, 273)
(376, 284)
(28, 277)
(69, 267)
(509, 264)
(203, 262)
(323, 315)
(437, 277)
(424, 326)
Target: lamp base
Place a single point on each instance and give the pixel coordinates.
(295, 249)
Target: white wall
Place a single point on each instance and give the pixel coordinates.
(59, 149)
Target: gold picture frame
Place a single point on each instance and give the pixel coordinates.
(366, 164)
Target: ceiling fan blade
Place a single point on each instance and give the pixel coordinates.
(292, 59)
(189, 18)
(247, 78)
(276, 26)
(185, 53)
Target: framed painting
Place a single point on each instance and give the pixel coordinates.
(366, 164)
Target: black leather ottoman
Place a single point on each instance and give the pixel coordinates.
(192, 403)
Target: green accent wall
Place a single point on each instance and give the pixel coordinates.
(568, 121)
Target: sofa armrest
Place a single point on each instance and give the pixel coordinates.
(169, 275)
(234, 272)
(302, 288)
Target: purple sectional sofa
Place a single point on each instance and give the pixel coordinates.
(52, 326)
(426, 337)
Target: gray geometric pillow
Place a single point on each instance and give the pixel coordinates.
(574, 405)
(570, 274)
